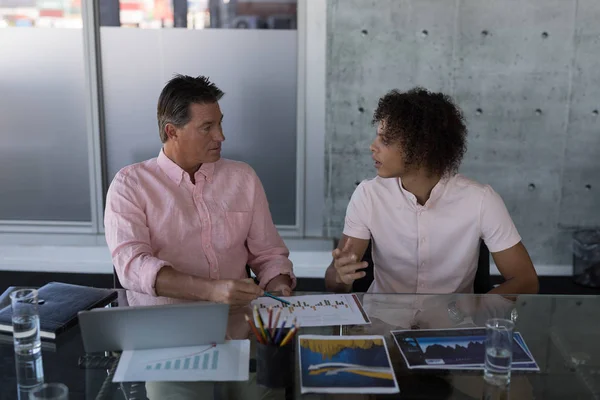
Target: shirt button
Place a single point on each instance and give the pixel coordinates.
(422, 264)
(207, 246)
(423, 240)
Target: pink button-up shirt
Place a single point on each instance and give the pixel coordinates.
(431, 248)
(155, 216)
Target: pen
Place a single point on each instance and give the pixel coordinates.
(287, 303)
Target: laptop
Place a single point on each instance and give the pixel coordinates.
(151, 327)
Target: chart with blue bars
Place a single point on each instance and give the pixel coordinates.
(207, 360)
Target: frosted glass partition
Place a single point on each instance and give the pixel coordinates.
(256, 69)
(44, 151)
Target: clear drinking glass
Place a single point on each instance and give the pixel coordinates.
(50, 391)
(29, 371)
(498, 351)
(25, 321)
(495, 392)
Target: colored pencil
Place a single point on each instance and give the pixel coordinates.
(287, 303)
(280, 331)
(276, 322)
(261, 326)
(270, 312)
(289, 336)
(254, 330)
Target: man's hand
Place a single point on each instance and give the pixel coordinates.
(282, 284)
(346, 267)
(235, 292)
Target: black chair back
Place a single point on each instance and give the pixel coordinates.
(116, 281)
(483, 282)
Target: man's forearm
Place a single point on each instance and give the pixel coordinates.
(331, 283)
(517, 285)
(281, 279)
(175, 284)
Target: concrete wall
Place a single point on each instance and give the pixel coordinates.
(527, 76)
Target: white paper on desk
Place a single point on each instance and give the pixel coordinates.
(222, 362)
(316, 310)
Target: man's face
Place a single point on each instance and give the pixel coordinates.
(387, 156)
(199, 141)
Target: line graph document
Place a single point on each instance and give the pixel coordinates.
(316, 310)
(221, 362)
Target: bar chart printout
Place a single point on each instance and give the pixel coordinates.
(316, 310)
(223, 362)
(200, 361)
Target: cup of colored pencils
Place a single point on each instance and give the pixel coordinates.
(275, 360)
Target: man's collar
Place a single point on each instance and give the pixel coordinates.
(437, 191)
(175, 172)
(169, 167)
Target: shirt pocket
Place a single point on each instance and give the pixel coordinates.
(238, 226)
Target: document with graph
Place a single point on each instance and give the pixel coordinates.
(345, 364)
(455, 348)
(316, 310)
(220, 362)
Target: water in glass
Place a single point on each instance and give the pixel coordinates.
(498, 351)
(26, 334)
(498, 361)
(26, 321)
(30, 371)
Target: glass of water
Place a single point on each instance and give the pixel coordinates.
(50, 391)
(25, 321)
(498, 351)
(29, 371)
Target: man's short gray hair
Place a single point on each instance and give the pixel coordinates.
(177, 95)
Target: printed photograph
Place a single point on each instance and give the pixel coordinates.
(345, 363)
(452, 350)
(450, 347)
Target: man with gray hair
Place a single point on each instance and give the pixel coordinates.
(183, 226)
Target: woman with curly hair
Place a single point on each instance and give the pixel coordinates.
(424, 220)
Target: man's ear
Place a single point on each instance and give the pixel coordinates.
(171, 131)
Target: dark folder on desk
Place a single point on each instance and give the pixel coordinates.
(61, 304)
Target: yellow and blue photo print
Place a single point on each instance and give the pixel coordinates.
(345, 364)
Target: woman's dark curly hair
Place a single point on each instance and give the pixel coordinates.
(429, 128)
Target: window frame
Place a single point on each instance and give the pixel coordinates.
(310, 138)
